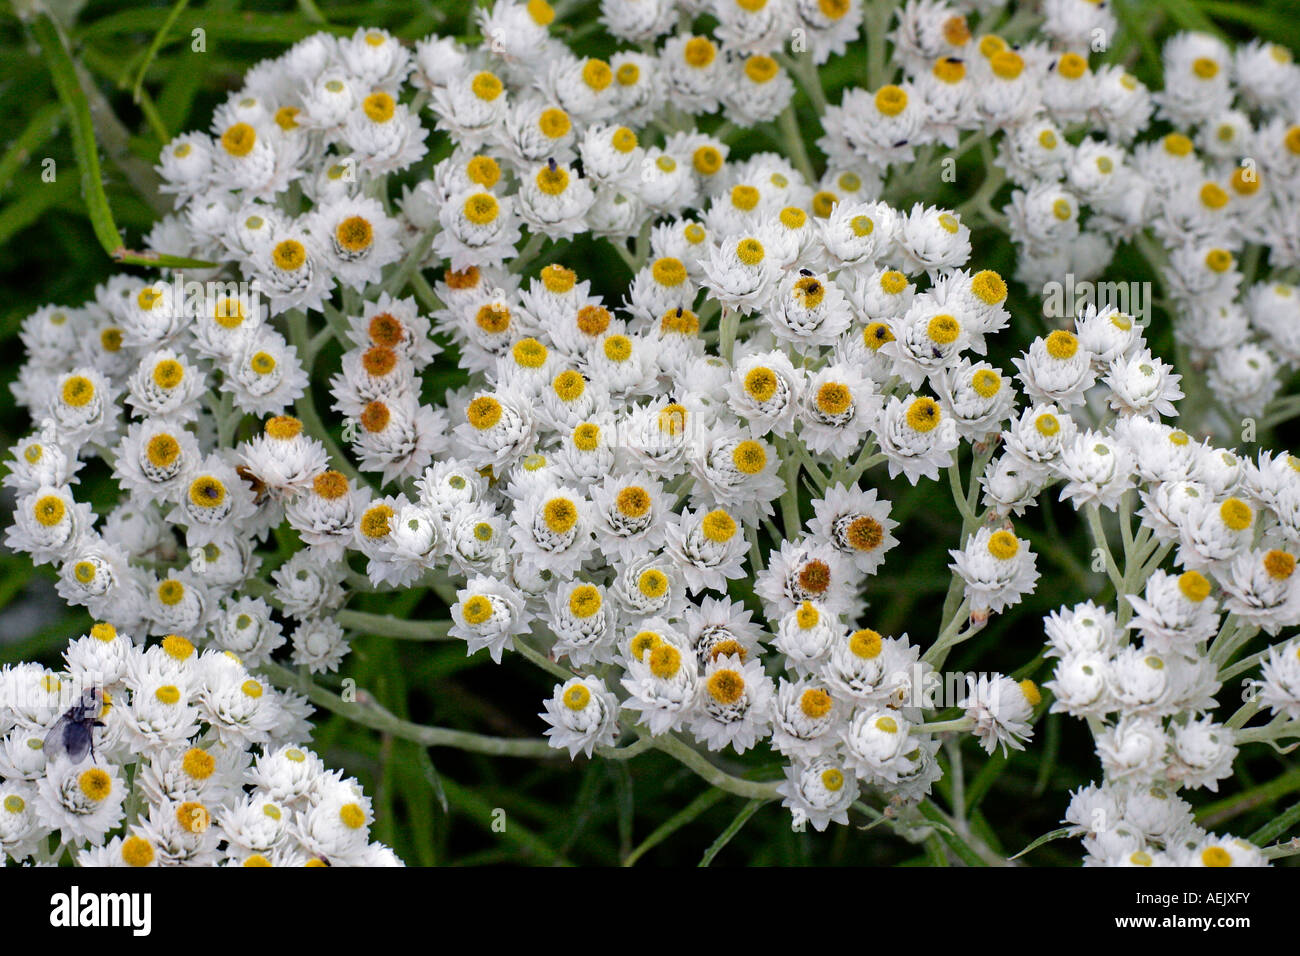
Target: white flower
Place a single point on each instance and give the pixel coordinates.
(582, 715)
(488, 614)
(735, 700)
(876, 744)
(855, 522)
(1097, 468)
(916, 437)
(1000, 709)
(83, 802)
(998, 568)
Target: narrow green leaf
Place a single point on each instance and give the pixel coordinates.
(674, 823)
(156, 45)
(1279, 825)
(747, 811)
(1045, 838)
(68, 87)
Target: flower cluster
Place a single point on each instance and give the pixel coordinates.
(192, 763)
(673, 495)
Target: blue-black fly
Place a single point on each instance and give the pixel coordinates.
(73, 734)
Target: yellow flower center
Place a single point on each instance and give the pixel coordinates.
(376, 522)
(672, 420)
(355, 234)
(137, 851)
(864, 533)
(1072, 66)
(986, 383)
(652, 583)
(1213, 196)
(560, 515)
(943, 329)
(792, 217)
(618, 348)
(718, 526)
(481, 209)
(477, 609)
(1003, 545)
(558, 280)
(541, 12)
(923, 414)
(586, 437)
(1031, 692)
(584, 601)
(823, 203)
(815, 703)
(239, 139)
(866, 644)
(949, 69)
(632, 501)
(95, 784)
(665, 659)
(760, 383)
(750, 251)
(553, 180)
(207, 492)
(483, 412)
(1236, 514)
(744, 197)
(554, 123)
(699, 52)
(1006, 64)
(1216, 856)
(726, 686)
(379, 106)
(569, 385)
(623, 140)
(1062, 345)
(597, 74)
(78, 391)
(760, 69)
(669, 272)
(891, 100)
(168, 373)
(834, 399)
(1279, 565)
(49, 511)
(577, 697)
(289, 255)
(749, 457)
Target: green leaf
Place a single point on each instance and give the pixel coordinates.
(747, 811)
(678, 820)
(1280, 824)
(1045, 838)
(64, 74)
(156, 45)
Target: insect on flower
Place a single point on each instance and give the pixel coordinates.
(73, 734)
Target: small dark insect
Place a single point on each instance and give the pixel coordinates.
(73, 734)
(901, 142)
(805, 272)
(550, 164)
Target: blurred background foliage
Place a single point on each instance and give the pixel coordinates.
(437, 807)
